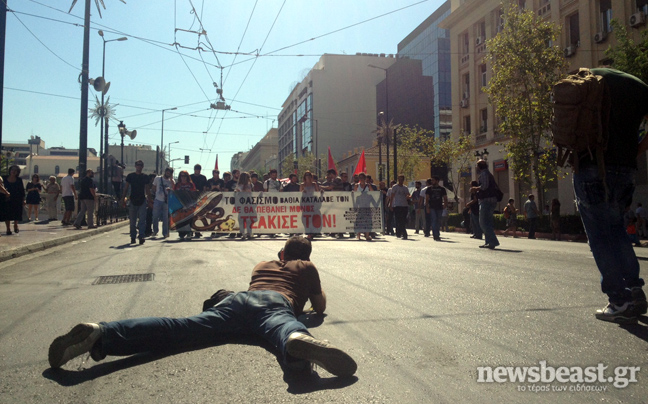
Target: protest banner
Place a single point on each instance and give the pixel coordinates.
(271, 212)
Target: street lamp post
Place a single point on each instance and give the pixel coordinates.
(380, 169)
(177, 141)
(104, 135)
(162, 134)
(122, 132)
(388, 125)
(482, 155)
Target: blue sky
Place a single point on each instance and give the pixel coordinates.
(147, 73)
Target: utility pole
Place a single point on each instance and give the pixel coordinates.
(3, 30)
(85, 66)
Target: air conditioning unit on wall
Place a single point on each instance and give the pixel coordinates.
(570, 51)
(600, 37)
(637, 19)
(479, 40)
(463, 103)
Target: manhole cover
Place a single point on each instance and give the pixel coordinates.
(104, 280)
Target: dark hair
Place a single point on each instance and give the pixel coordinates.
(139, 163)
(272, 171)
(435, 177)
(482, 164)
(297, 248)
(197, 167)
(292, 175)
(474, 184)
(511, 200)
(417, 183)
(35, 176)
(331, 171)
(215, 172)
(254, 175)
(70, 171)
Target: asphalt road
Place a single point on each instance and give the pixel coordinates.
(418, 316)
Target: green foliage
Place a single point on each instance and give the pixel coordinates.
(627, 55)
(304, 163)
(569, 224)
(454, 152)
(524, 69)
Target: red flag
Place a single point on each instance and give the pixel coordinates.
(216, 165)
(362, 165)
(331, 162)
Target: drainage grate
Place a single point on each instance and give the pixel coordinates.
(106, 280)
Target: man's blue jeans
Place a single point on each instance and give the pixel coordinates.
(476, 228)
(135, 213)
(435, 222)
(603, 222)
(161, 212)
(486, 221)
(264, 313)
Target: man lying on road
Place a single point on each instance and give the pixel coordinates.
(277, 293)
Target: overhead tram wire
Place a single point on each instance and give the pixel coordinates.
(242, 38)
(250, 69)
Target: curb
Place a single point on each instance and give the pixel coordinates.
(44, 245)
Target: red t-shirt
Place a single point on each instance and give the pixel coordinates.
(297, 280)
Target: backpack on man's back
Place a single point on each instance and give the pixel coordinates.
(581, 116)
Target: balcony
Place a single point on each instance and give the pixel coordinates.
(464, 59)
(481, 139)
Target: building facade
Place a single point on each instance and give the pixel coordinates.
(431, 44)
(263, 155)
(586, 34)
(333, 106)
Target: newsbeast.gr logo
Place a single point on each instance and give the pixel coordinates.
(539, 378)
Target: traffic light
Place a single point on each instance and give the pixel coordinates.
(186, 159)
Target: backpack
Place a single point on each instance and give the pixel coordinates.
(581, 112)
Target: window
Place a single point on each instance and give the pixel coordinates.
(466, 45)
(57, 170)
(36, 169)
(605, 9)
(467, 125)
(642, 5)
(483, 125)
(482, 72)
(466, 86)
(574, 30)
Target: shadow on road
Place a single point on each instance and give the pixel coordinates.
(638, 330)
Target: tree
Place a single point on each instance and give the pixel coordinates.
(454, 153)
(525, 65)
(307, 162)
(627, 55)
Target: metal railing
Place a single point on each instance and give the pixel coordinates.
(109, 210)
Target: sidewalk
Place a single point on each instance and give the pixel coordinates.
(38, 236)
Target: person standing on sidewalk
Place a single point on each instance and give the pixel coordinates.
(487, 202)
(531, 214)
(419, 208)
(161, 187)
(53, 190)
(87, 201)
(269, 308)
(69, 194)
(399, 196)
(436, 200)
(138, 183)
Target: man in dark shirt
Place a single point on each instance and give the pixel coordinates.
(474, 211)
(215, 183)
(602, 199)
(138, 183)
(436, 199)
(199, 180)
(292, 185)
(277, 293)
(230, 184)
(86, 200)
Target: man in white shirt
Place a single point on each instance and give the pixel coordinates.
(161, 187)
(272, 184)
(399, 196)
(69, 195)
